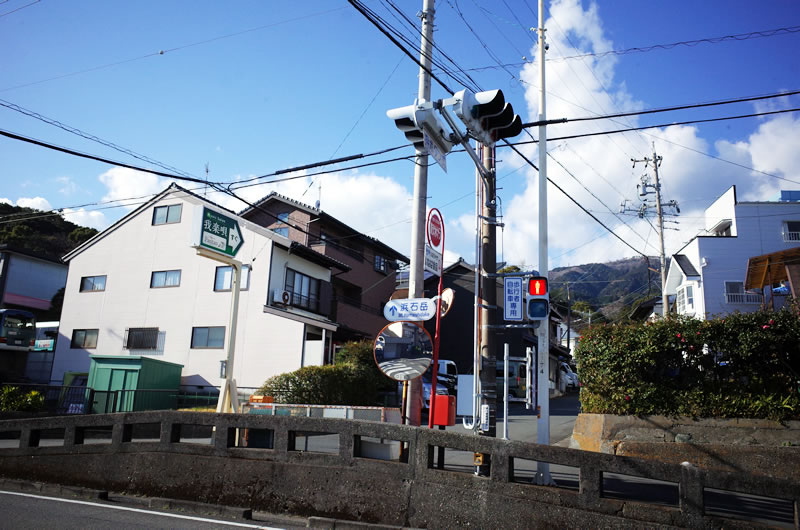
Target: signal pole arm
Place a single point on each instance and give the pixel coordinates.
(464, 141)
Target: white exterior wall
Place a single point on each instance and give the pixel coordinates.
(759, 230)
(266, 344)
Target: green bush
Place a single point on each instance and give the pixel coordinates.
(740, 365)
(14, 399)
(353, 380)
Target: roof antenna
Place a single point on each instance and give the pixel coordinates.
(319, 194)
(205, 188)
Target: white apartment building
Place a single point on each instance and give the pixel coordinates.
(707, 275)
(140, 288)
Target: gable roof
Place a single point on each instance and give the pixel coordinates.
(329, 219)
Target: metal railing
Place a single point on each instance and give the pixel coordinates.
(743, 298)
(57, 399)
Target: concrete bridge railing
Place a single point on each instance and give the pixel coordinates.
(349, 469)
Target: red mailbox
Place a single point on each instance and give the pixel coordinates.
(444, 412)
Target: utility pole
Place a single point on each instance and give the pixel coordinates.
(543, 350)
(655, 162)
(569, 318)
(416, 277)
(488, 300)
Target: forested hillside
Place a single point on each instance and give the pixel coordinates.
(44, 233)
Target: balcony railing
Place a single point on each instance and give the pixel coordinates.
(743, 298)
(310, 303)
(791, 237)
(357, 303)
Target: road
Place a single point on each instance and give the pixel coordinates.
(30, 511)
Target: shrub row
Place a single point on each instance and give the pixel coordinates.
(14, 399)
(353, 380)
(736, 366)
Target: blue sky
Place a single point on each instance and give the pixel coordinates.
(251, 87)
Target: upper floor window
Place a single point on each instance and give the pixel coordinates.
(93, 283)
(791, 231)
(304, 289)
(685, 299)
(735, 294)
(208, 337)
(167, 214)
(224, 276)
(166, 279)
(84, 338)
(283, 228)
(141, 339)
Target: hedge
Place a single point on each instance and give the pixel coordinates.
(353, 380)
(742, 365)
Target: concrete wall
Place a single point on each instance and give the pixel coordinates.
(760, 447)
(344, 483)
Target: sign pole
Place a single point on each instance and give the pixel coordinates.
(229, 397)
(434, 379)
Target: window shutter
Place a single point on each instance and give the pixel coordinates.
(325, 298)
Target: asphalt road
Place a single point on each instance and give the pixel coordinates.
(30, 511)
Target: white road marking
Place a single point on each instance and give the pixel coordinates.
(126, 509)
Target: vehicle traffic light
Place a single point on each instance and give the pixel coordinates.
(537, 298)
(487, 115)
(418, 120)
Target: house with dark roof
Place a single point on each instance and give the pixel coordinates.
(141, 288)
(359, 293)
(708, 275)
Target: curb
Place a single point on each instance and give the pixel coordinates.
(53, 489)
(160, 503)
(342, 524)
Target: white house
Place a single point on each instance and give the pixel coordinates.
(140, 288)
(707, 275)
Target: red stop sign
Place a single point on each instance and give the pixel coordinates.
(435, 229)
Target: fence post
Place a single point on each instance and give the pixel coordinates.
(690, 493)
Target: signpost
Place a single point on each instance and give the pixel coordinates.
(435, 237)
(435, 152)
(218, 237)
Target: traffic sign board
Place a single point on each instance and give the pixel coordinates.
(435, 152)
(433, 261)
(415, 309)
(513, 302)
(435, 229)
(220, 233)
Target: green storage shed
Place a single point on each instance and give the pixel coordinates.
(123, 383)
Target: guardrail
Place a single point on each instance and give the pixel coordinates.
(355, 470)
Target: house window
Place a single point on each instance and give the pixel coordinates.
(381, 264)
(93, 283)
(304, 289)
(224, 275)
(283, 218)
(141, 339)
(208, 337)
(791, 231)
(84, 338)
(166, 279)
(685, 299)
(163, 215)
(735, 294)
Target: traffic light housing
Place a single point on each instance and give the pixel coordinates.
(537, 298)
(487, 115)
(418, 120)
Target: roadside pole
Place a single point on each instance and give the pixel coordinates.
(488, 302)
(543, 351)
(416, 276)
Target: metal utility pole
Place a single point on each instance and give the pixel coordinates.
(643, 192)
(543, 351)
(416, 277)
(488, 301)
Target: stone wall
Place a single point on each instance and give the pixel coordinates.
(733, 445)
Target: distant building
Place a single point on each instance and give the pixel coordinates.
(29, 281)
(140, 288)
(707, 275)
(360, 293)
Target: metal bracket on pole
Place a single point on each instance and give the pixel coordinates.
(484, 306)
(491, 220)
(512, 326)
(464, 141)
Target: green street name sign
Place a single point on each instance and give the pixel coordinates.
(220, 233)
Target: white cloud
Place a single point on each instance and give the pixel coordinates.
(68, 186)
(131, 187)
(3, 200)
(598, 171)
(38, 203)
(91, 218)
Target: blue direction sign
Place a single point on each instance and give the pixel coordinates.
(220, 233)
(413, 309)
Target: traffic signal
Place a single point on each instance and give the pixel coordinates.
(418, 120)
(537, 298)
(487, 115)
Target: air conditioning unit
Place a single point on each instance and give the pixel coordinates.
(281, 297)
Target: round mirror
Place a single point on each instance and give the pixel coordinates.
(403, 350)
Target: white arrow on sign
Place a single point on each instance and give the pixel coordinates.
(413, 309)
